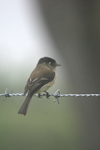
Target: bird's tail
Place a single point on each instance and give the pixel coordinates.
(24, 107)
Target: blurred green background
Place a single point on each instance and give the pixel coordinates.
(68, 31)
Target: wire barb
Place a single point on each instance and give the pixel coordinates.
(56, 95)
(6, 94)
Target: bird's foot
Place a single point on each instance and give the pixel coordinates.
(39, 95)
(47, 94)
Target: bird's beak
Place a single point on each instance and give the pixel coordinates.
(57, 65)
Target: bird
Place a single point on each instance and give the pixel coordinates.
(40, 80)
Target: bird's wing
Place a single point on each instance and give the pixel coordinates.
(34, 83)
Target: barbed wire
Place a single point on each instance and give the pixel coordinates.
(56, 95)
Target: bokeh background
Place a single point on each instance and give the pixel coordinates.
(68, 31)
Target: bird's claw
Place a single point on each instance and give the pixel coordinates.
(47, 94)
(39, 95)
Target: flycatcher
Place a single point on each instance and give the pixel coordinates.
(40, 80)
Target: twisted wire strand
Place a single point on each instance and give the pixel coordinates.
(56, 94)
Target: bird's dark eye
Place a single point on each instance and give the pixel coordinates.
(50, 63)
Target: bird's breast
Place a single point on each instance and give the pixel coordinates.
(47, 86)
